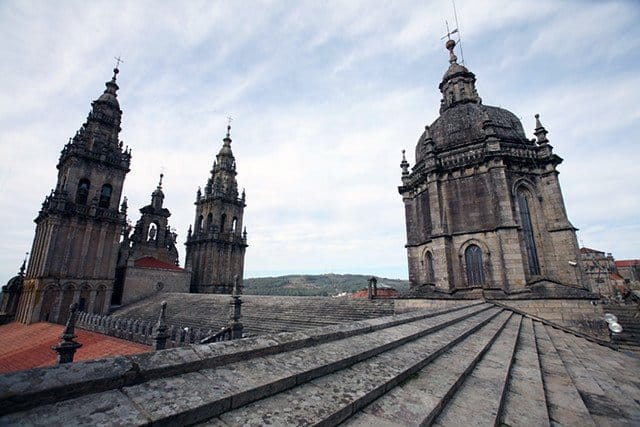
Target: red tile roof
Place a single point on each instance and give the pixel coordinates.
(151, 262)
(29, 346)
(628, 263)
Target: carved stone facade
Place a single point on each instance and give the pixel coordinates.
(75, 249)
(483, 204)
(216, 244)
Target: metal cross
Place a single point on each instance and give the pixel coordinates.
(449, 33)
(118, 61)
(229, 120)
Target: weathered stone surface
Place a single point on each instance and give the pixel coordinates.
(260, 314)
(111, 408)
(453, 365)
(525, 398)
(563, 400)
(42, 385)
(423, 395)
(479, 399)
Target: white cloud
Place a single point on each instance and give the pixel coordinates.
(324, 96)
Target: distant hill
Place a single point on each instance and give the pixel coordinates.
(315, 285)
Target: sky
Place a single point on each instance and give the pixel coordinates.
(324, 95)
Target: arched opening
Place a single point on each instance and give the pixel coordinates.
(83, 302)
(105, 196)
(431, 276)
(199, 224)
(475, 267)
(100, 297)
(234, 224)
(67, 299)
(223, 219)
(49, 298)
(82, 194)
(153, 232)
(209, 222)
(527, 232)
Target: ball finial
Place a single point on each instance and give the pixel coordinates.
(450, 44)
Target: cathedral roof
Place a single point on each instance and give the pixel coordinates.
(470, 363)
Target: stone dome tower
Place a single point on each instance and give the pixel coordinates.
(483, 205)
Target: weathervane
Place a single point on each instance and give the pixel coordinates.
(454, 31)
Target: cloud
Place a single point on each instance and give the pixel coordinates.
(324, 96)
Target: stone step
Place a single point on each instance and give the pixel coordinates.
(419, 399)
(480, 398)
(352, 389)
(602, 397)
(525, 398)
(200, 382)
(564, 404)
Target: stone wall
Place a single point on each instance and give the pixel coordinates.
(580, 315)
(143, 282)
(406, 305)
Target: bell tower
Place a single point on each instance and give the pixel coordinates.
(216, 244)
(75, 248)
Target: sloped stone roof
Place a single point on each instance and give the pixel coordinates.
(260, 314)
(477, 364)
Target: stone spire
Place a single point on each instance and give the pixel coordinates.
(98, 136)
(222, 182)
(458, 83)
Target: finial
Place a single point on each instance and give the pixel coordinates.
(540, 132)
(161, 329)
(67, 347)
(229, 120)
(24, 265)
(404, 165)
(452, 56)
(116, 70)
(450, 44)
(160, 183)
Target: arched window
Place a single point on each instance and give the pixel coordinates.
(234, 223)
(83, 191)
(431, 276)
(105, 196)
(223, 219)
(209, 222)
(199, 224)
(527, 233)
(475, 268)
